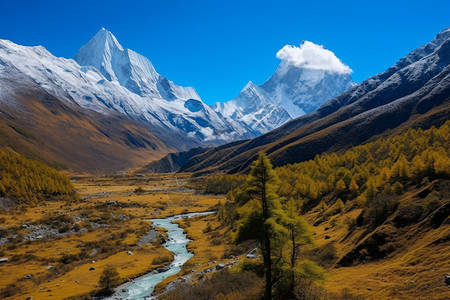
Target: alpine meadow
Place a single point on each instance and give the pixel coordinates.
(311, 161)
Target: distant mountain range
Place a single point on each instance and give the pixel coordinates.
(108, 79)
(415, 92)
(110, 89)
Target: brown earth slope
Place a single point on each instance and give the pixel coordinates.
(41, 126)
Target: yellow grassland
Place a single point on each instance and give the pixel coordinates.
(417, 273)
(414, 272)
(163, 196)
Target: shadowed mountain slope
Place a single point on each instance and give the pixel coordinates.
(41, 126)
(415, 92)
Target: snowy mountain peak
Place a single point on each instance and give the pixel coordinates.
(307, 77)
(99, 52)
(129, 68)
(106, 38)
(445, 32)
(101, 46)
(110, 79)
(249, 85)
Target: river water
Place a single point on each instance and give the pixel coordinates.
(176, 243)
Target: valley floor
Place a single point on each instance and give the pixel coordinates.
(59, 249)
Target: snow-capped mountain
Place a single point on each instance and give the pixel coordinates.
(130, 69)
(293, 90)
(413, 93)
(109, 79)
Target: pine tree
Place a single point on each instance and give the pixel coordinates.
(340, 185)
(401, 167)
(261, 223)
(299, 232)
(353, 185)
(442, 165)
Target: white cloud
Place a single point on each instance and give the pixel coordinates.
(207, 133)
(312, 56)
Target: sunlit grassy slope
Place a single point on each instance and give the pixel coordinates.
(380, 213)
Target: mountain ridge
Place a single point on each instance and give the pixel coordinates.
(145, 96)
(414, 90)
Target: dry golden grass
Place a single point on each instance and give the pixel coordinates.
(163, 196)
(81, 281)
(415, 270)
(417, 273)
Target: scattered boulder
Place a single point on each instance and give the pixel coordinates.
(163, 269)
(327, 237)
(447, 279)
(220, 267)
(129, 252)
(91, 269)
(28, 276)
(4, 260)
(148, 238)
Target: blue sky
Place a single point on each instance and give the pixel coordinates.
(218, 46)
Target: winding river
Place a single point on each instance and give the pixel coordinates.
(142, 287)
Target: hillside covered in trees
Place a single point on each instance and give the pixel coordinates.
(364, 172)
(30, 181)
(377, 202)
(382, 167)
